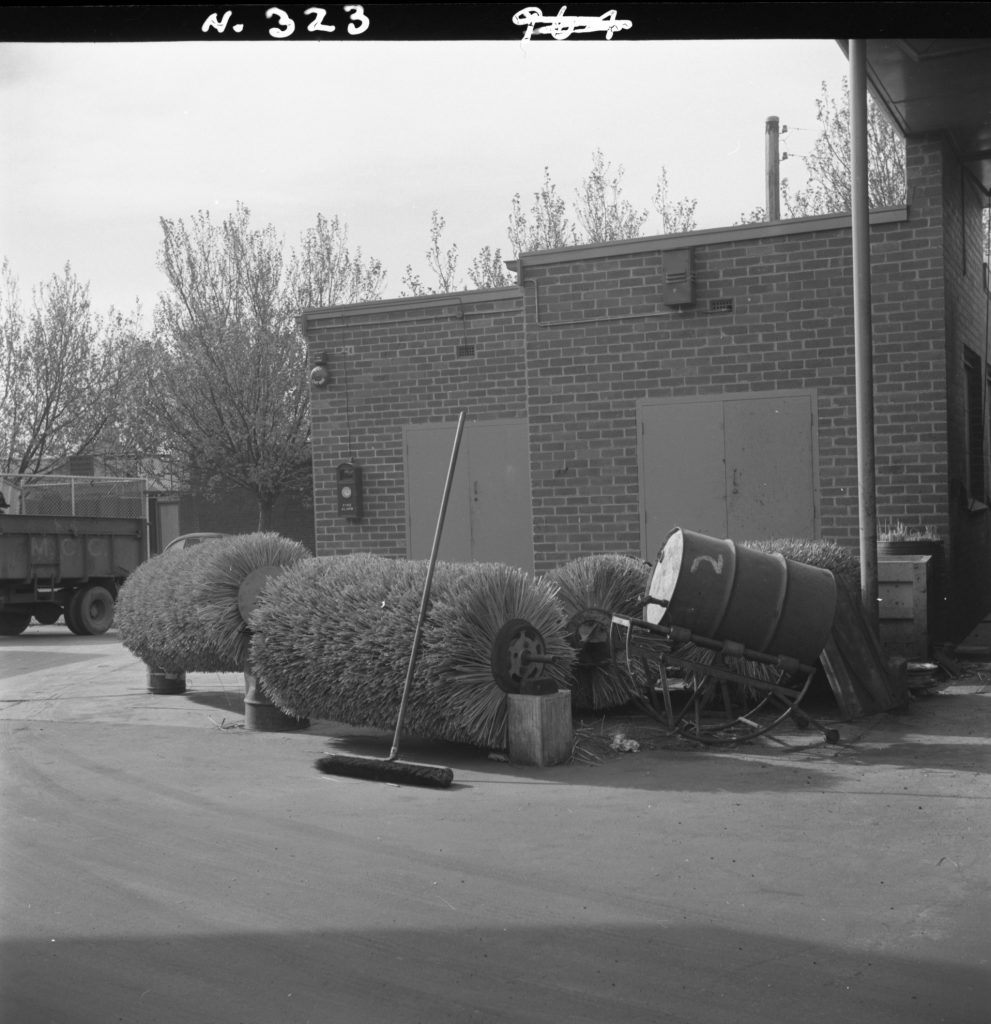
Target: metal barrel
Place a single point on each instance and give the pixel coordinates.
(166, 682)
(724, 591)
(261, 715)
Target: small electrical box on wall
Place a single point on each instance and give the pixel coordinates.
(350, 493)
(678, 287)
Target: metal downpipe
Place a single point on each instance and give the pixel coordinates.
(863, 342)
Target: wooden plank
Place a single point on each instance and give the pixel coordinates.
(979, 638)
(851, 699)
(861, 651)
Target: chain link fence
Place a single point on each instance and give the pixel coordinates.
(102, 496)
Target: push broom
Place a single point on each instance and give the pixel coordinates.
(391, 769)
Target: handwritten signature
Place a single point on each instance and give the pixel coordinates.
(560, 26)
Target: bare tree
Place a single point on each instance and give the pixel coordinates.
(65, 372)
(326, 273)
(828, 165)
(677, 215)
(230, 392)
(600, 209)
(443, 264)
(488, 270)
(598, 213)
(547, 226)
(755, 216)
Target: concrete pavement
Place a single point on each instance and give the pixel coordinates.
(162, 863)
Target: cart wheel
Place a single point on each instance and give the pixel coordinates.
(728, 711)
(708, 696)
(90, 611)
(13, 623)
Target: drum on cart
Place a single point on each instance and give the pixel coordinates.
(728, 643)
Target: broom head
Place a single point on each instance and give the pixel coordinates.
(377, 769)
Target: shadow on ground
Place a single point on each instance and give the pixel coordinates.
(221, 700)
(583, 973)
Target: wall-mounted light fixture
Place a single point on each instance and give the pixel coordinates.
(320, 374)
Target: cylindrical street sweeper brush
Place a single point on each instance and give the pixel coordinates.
(591, 590)
(186, 610)
(229, 580)
(156, 619)
(493, 630)
(331, 639)
(310, 634)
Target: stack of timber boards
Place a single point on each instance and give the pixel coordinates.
(855, 664)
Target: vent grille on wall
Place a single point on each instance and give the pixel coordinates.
(678, 286)
(720, 305)
(464, 351)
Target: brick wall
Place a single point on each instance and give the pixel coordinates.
(908, 311)
(398, 362)
(790, 326)
(586, 336)
(969, 534)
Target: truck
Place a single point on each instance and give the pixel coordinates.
(66, 546)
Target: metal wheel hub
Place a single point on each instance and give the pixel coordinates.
(519, 654)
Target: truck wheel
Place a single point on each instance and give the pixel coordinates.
(90, 611)
(74, 625)
(13, 623)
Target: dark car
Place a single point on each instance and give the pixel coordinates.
(188, 540)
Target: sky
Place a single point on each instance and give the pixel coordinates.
(100, 140)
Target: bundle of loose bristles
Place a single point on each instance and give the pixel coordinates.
(591, 590)
(842, 562)
(331, 638)
(180, 611)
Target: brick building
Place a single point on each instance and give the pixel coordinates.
(703, 380)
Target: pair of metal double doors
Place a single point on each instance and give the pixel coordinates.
(488, 515)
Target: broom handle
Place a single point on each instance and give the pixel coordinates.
(425, 599)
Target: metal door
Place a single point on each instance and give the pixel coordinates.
(428, 454)
(682, 470)
(742, 467)
(488, 516)
(499, 467)
(770, 470)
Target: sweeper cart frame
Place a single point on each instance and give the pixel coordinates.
(728, 640)
(708, 690)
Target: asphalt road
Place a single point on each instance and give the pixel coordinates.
(160, 863)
